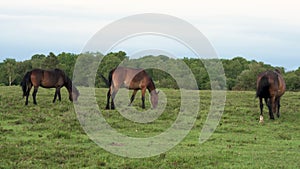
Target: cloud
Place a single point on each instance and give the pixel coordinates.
(257, 28)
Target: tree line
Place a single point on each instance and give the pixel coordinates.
(240, 73)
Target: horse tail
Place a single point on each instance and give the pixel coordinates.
(105, 80)
(109, 80)
(68, 81)
(110, 77)
(263, 87)
(25, 83)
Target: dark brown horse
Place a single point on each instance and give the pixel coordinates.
(133, 79)
(270, 87)
(48, 79)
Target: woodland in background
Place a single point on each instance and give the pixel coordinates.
(240, 73)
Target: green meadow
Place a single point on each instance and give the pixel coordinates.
(49, 135)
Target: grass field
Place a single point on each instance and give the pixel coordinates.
(49, 135)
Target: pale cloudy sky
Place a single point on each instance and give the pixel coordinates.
(262, 30)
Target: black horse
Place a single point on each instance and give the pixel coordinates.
(48, 79)
(133, 79)
(270, 87)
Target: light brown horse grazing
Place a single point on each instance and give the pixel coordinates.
(133, 79)
(48, 79)
(270, 86)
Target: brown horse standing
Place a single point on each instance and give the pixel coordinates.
(133, 79)
(48, 79)
(270, 86)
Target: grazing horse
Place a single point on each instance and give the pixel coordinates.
(270, 87)
(132, 79)
(48, 79)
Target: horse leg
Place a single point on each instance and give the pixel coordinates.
(59, 96)
(132, 97)
(108, 97)
(272, 108)
(113, 95)
(261, 117)
(278, 107)
(268, 103)
(57, 93)
(143, 97)
(27, 95)
(35, 90)
(26, 102)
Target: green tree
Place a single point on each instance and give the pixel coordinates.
(199, 71)
(67, 62)
(233, 68)
(37, 61)
(240, 73)
(10, 66)
(247, 79)
(23, 67)
(3, 79)
(108, 62)
(86, 65)
(292, 80)
(50, 62)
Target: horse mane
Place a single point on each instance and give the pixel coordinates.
(151, 85)
(67, 80)
(69, 85)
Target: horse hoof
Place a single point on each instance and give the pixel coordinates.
(261, 119)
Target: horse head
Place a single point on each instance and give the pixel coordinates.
(74, 94)
(154, 98)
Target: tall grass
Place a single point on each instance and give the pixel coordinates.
(49, 135)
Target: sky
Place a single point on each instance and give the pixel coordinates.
(262, 30)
